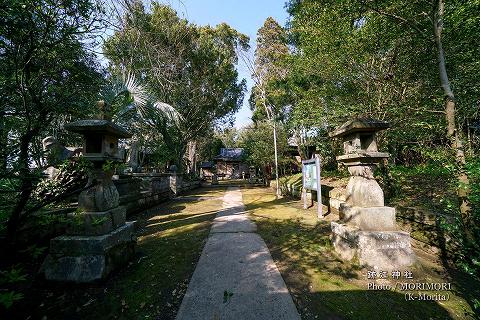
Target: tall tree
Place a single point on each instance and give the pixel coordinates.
(257, 140)
(187, 66)
(394, 60)
(47, 74)
(267, 69)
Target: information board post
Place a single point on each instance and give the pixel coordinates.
(319, 189)
(304, 192)
(311, 181)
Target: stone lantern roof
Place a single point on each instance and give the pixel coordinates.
(359, 125)
(360, 142)
(97, 126)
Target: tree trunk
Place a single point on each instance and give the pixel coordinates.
(301, 147)
(26, 185)
(3, 144)
(192, 150)
(276, 157)
(452, 133)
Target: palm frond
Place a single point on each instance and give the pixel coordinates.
(137, 92)
(138, 99)
(168, 111)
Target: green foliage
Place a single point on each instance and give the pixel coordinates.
(8, 298)
(270, 69)
(378, 59)
(257, 140)
(473, 171)
(113, 166)
(201, 82)
(209, 147)
(70, 178)
(98, 221)
(48, 78)
(227, 296)
(34, 251)
(12, 276)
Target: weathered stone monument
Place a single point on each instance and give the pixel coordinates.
(367, 228)
(214, 175)
(99, 239)
(55, 153)
(133, 159)
(175, 180)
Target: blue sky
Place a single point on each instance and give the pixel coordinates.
(246, 16)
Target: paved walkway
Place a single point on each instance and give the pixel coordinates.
(236, 277)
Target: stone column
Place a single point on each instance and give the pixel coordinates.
(176, 181)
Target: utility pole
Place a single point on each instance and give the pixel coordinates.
(271, 117)
(276, 158)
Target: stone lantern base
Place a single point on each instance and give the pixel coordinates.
(83, 259)
(385, 250)
(98, 238)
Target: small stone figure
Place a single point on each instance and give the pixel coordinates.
(105, 110)
(56, 152)
(132, 160)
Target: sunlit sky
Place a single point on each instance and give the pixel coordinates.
(246, 16)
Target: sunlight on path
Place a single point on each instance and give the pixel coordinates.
(236, 277)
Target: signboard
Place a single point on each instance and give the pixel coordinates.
(311, 181)
(309, 173)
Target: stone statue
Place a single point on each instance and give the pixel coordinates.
(105, 110)
(132, 159)
(55, 154)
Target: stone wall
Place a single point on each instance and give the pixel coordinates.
(140, 191)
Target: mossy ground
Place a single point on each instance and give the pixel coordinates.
(170, 240)
(325, 287)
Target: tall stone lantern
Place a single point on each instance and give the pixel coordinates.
(99, 239)
(366, 227)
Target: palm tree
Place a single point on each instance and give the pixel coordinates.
(123, 97)
(129, 103)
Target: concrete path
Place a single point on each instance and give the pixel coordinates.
(236, 277)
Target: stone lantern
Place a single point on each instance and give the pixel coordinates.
(98, 239)
(367, 228)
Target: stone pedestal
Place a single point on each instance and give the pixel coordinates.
(84, 259)
(383, 249)
(369, 219)
(97, 242)
(175, 184)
